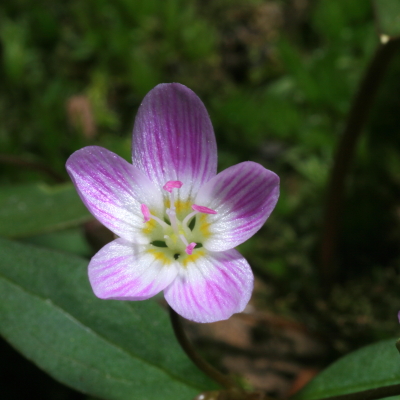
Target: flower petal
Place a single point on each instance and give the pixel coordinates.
(113, 191)
(211, 286)
(127, 271)
(173, 139)
(243, 196)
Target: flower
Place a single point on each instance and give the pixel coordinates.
(177, 221)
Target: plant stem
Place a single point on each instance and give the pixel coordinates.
(358, 115)
(202, 364)
(371, 394)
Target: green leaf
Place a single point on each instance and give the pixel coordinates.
(69, 240)
(108, 349)
(31, 209)
(367, 368)
(388, 17)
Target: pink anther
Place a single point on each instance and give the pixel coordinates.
(145, 212)
(172, 185)
(202, 209)
(190, 247)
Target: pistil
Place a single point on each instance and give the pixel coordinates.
(171, 212)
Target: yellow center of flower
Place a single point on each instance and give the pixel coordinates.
(178, 235)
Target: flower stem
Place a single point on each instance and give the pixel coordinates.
(202, 364)
(371, 394)
(358, 115)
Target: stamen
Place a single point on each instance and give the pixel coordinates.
(148, 215)
(184, 240)
(190, 247)
(145, 212)
(168, 187)
(172, 185)
(189, 217)
(162, 223)
(197, 209)
(202, 209)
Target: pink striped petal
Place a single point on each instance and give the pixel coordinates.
(211, 286)
(243, 196)
(125, 271)
(113, 191)
(173, 139)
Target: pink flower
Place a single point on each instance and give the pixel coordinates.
(177, 221)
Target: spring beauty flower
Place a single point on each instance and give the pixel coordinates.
(176, 220)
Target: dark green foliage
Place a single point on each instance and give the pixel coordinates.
(277, 80)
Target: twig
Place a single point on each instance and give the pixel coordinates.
(22, 162)
(202, 364)
(357, 118)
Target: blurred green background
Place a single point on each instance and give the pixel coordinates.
(277, 78)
